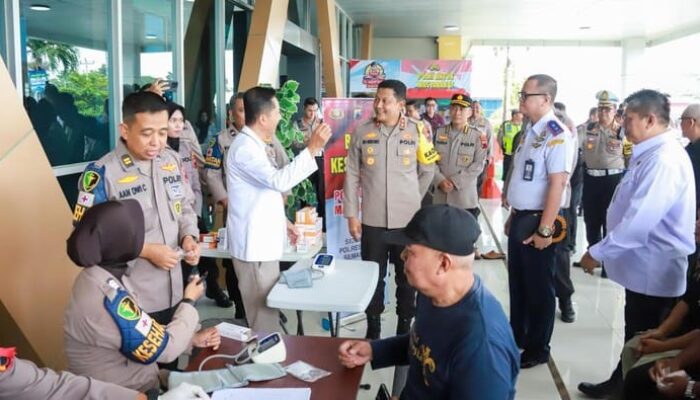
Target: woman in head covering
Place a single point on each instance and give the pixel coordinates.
(107, 335)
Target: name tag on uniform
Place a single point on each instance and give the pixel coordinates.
(175, 191)
(529, 171)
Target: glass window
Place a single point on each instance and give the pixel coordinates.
(66, 77)
(2, 31)
(147, 42)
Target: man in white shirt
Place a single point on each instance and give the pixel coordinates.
(257, 225)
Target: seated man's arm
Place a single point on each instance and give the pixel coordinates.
(390, 351)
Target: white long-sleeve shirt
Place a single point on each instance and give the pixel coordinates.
(651, 220)
(256, 223)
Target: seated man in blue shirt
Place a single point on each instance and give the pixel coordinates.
(461, 345)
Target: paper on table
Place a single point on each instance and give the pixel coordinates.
(262, 394)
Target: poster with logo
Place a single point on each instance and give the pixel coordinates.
(423, 78)
(365, 75)
(436, 78)
(343, 115)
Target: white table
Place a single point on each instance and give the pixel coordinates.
(348, 288)
(287, 256)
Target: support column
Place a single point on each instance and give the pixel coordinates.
(450, 48)
(264, 47)
(13, 45)
(633, 66)
(36, 285)
(366, 49)
(328, 35)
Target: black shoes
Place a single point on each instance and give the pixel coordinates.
(603, 390)
(528, 360)
(568, 314)
(218, 296)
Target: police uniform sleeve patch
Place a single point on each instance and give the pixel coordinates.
(92, 190)
(214, 156)
(554, 127)
(143, 339)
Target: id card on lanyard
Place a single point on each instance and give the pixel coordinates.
(529, 170)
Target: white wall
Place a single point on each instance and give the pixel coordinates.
(404, 48)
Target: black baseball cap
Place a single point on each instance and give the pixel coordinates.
(439, 227)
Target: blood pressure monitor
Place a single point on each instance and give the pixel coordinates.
(270, 349)
(323, 262)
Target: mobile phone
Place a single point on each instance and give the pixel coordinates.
(383, 393)
(202, 277)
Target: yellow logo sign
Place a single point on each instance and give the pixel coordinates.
(555, 142)
(169, 167)
(128, 179)
(370, 135)
(370, 150)
(370, 160)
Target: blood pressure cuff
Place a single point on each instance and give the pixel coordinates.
(143, 339)
(229, 377)
(530, 222)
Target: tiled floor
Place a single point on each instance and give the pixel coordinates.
(586, 350)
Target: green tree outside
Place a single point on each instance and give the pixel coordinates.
(89, 90)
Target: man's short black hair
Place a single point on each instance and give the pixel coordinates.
(412, 103)
(646, 102)
(142, 102)
(592, 111)
(310, 101)
(429, 99)
(257, 101)
(560, 106)
(397, 86)
(232, 100)
(545, 83)
(513, 113)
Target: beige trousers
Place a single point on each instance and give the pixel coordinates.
(255, 280)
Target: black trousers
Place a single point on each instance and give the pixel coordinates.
(507, 161)
(576, 194)
(563, 287)
(374, 248)
(531, 284)
(597, 194)
(642, 312)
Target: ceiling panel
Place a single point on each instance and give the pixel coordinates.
(527, 19)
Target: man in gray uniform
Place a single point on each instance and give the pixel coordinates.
(142, 168)
(383, 160)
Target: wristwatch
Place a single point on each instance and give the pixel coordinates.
(545, 231)
(689, 392)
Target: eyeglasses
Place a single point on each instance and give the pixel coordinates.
(524, 96)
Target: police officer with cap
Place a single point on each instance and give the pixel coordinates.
(541, 168)
(142, 168)
(462, 150)
(385, 162)
(604, 164)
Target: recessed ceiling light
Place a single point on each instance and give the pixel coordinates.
(40, 7)
(584, 28)
(451, 28)
(151, 36)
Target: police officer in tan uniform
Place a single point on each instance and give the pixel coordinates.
(462, 150)
(383, 162)
(479, 121)
(23, 380)
(309, 121)
(604, 164)
(142, 168)
(107, 334)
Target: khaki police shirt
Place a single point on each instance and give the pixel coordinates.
(191, 164)
(166, 200)
(215, 161)
(602, 147)
(462, 156)
(382, 161)
(24, 380)
(93, 340)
